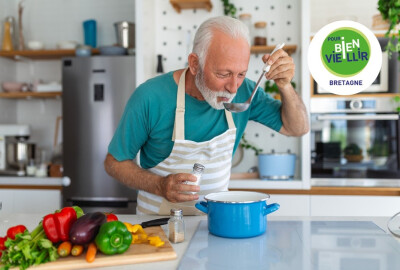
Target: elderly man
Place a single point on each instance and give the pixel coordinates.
(178, 119)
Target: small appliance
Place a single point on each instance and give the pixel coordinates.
(15, 151)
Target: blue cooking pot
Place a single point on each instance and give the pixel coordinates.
(237, 214)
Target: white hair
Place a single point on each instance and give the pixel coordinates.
(228, 25)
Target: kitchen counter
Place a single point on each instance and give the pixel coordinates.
(274, 222)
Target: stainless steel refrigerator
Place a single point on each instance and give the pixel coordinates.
(95, 91)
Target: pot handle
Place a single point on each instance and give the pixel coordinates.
(202, 206)
(269, 208)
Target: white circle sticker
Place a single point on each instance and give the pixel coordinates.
(344, 58)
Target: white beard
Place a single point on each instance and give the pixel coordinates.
(209, 95)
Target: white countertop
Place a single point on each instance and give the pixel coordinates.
(34, 181)
(192, 223)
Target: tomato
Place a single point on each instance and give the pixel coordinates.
(2, 246)
(13, 231)
(111, 217)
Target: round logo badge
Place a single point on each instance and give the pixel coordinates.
(344, 58)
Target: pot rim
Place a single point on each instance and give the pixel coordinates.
(277, 154)
(267, 196)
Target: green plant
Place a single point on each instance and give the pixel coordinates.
(352, 150)
(271, 87)
(379, 149)
(390, 10)
(229, 8)
(247, 145)
(396, 99)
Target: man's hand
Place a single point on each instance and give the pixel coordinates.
(174, 189)
(282, 68)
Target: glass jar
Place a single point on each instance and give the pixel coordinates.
(260, 34)
(176, 226)
(245, 18)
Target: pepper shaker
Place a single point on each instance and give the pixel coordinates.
(176, 226)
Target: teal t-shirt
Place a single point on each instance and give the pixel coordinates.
(148, 120)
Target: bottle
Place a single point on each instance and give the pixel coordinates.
(7, 44)
(160, 69)
(197, 171)
(260, 34)
(245, 18)
(176, 226)
(31, 168)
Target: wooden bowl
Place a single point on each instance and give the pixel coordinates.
(353, 158)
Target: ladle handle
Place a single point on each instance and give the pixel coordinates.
(267, 67)
(265, 70)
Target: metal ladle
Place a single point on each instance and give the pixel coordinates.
(241, 107)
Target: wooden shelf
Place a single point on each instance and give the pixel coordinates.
(41, 54)
(290, 49)
(178, 5)
(29, 95)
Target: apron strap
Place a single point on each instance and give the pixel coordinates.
(229, 118)
(179, 126)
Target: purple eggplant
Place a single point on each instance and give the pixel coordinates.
(85, 228)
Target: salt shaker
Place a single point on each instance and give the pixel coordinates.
(176, 226)
(197, 171)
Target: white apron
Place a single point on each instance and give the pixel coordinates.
(215, 155)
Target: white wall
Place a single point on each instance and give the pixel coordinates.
(326, 11)
(52, 21)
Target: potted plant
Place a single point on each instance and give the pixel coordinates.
(390, 11)
(271, 88)
(353, 153)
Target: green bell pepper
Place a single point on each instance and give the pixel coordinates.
(78, 210)
(113, 238)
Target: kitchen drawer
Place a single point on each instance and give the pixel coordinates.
(354, 205)
(291, 205)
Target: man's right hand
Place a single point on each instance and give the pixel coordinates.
(174, 189)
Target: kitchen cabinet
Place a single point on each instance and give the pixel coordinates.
(291, 205)
(35, 201)
(354, 205)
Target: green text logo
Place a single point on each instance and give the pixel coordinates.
(345, 52)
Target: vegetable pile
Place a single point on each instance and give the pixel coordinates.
(67, 232)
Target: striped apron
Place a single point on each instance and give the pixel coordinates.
(215, 155)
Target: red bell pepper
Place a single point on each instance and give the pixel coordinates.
(13, 231)
(2, 244)
(111, 217)
(57, 225)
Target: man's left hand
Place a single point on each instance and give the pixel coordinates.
(282, 68)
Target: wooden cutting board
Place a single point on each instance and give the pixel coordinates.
(137, 253)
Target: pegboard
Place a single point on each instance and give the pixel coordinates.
(174, 36)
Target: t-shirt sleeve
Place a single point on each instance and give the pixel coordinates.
(132, 130)
(265, 109)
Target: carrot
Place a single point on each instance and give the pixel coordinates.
(64, 249)
(76, 250)
(91, 252)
